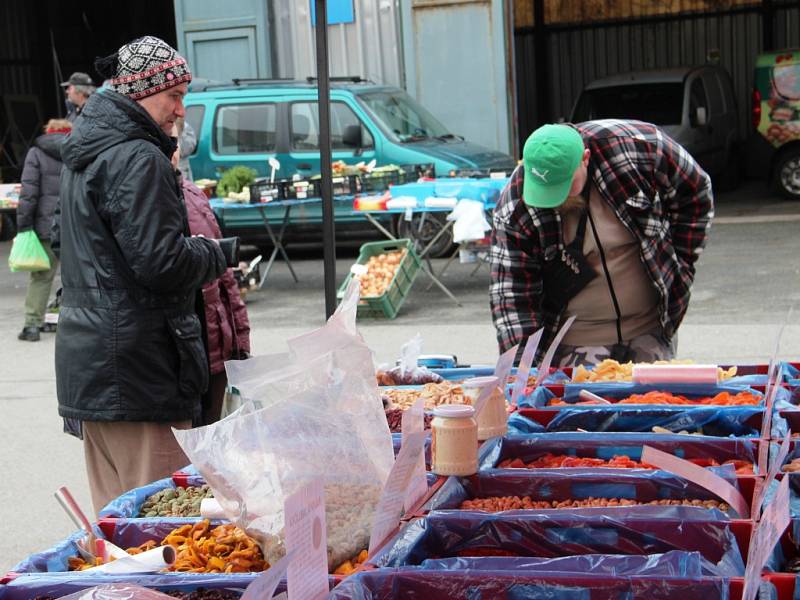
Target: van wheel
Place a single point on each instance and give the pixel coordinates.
(786, 177)
(424, 227)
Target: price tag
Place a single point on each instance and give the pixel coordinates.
(413, 422)
(390, 506)
(773, 386)
(501, 371)
(531, 346)
(544, 368)
(699, 475)
(307, 542)
(263, 587)
(408, 214)
(773, 523)
(763, 486)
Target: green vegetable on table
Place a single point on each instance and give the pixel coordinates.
(234, 179)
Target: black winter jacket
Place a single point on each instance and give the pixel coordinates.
(39, 196)
(129, 345)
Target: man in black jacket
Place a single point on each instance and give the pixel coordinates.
(130, 361)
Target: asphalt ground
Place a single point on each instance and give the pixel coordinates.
(748, 280)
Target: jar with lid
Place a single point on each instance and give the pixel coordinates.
(454, 440)
(493, 418)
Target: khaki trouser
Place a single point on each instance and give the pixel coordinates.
(122, 455)
(39, 290)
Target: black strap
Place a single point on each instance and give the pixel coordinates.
(580, 232)
(608, 276)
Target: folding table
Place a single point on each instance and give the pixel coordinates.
(221, 207)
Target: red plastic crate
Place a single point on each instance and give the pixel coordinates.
(784, 584)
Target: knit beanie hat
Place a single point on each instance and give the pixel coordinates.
(143, 67)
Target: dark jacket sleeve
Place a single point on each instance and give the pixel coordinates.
(29, 197)
(55, 230)
(148, 220)
(241, 322)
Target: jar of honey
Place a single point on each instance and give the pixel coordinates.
(454, 440)
(493, 418)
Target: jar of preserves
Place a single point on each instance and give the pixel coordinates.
(493, 418)
(454, 440)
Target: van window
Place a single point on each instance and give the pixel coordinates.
(245, 129)
(194, 118)
(697, 99)
(305, 126)
(402, 116)
(658, 103)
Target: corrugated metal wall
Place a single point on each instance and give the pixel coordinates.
(19, 69)
(581, 52)
(369, 47)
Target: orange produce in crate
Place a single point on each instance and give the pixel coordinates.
(563, 461)
(721, 399)
(380, 272)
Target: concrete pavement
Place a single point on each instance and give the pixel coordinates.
(747, 281)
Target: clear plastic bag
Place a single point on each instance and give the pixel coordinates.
(322, 419)
(470, 221)
(408, 372)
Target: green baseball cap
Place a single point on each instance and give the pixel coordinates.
(551, 155)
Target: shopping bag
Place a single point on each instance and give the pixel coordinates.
(28, 254)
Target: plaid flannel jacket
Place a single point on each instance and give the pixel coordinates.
(658, 192)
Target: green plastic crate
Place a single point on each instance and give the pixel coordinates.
(387, 304)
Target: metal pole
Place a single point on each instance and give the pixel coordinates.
(324, 97)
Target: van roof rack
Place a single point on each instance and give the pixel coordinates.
(349, 78)
(252, 80)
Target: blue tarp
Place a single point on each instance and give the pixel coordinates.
(548, 534)
(618, 391)
(573, 484)
(607, 445)
(481, 190)
(412, 583)
(674, 563)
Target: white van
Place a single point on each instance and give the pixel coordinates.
(696, 106)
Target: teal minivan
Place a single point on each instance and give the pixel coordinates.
(247, 122)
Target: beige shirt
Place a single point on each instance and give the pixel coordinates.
(595, 324)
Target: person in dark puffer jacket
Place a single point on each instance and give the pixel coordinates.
(37, 204)
(130, 359)
(227, 323)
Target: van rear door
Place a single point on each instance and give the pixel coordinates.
(697, 137)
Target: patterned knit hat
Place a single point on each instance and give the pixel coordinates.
(147, 66)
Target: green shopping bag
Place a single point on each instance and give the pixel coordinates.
(28, 254)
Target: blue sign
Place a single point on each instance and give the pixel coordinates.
(339, 11)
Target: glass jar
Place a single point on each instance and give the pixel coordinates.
(493, 418)
(454, 440)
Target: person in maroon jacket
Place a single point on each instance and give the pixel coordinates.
(227, 324)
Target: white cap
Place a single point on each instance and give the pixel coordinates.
(454, 411)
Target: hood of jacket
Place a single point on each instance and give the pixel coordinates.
(107, 120)
(50, 144)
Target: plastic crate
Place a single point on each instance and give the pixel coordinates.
(262, 190)
(380, 182)
(387, 304)
(300, 189)
(341, 185)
